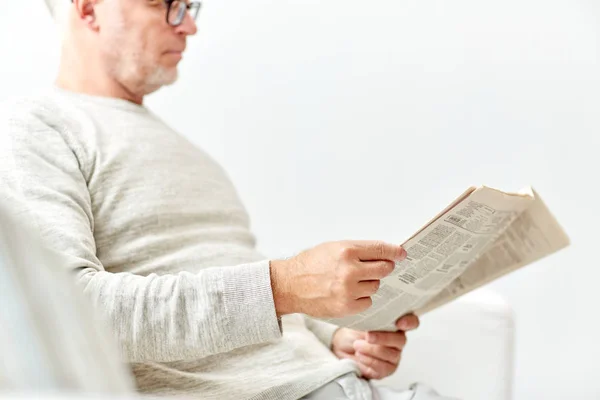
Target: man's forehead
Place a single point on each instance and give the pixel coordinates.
(54, 5)
(57, 7)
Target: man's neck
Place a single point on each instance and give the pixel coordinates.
(75, 77)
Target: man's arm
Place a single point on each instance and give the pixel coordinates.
(155, 318)
(324, 331)
(183, 316)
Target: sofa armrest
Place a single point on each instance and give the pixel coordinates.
(464, 349)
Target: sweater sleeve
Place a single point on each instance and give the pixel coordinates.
(324, 331)
(155, 318)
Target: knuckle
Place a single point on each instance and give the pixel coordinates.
(342, 291)
(345, 276)
(344, 251)
(395, 355)
(379, 248)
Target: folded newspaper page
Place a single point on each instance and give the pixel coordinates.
(481, 236)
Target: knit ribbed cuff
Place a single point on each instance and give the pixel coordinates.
(322, 330)
(249, 304)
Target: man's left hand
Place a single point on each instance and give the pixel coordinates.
(377, 354)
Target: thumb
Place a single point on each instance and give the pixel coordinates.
(349, 336)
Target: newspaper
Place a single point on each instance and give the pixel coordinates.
(481, 236)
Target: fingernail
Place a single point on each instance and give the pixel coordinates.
(402, 254)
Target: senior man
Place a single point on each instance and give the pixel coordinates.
(156, 235)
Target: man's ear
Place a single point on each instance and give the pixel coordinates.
(86, 11)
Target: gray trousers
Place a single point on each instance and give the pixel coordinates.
(351, 387)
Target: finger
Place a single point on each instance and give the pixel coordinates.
(362, 304)
(374, 270)
(390, 339)
(366, 250)
(366, 372)
(347, 337)
(383, 353)
(366, 288)
(408, 322)
(376, 369)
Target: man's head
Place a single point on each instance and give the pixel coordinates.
(135, 44)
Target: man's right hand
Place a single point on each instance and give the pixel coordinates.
(333, 279)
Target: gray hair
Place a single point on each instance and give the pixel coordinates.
(58, 8)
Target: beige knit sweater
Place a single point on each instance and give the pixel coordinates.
(157, 237)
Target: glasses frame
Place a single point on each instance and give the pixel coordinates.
(193, 8)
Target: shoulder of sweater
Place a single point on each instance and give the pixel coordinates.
(39, 120)
(40, 107)
(36, 102)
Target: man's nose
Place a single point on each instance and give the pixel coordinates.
(188, 26)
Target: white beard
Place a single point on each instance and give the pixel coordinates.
(138, 72)
(158, 78)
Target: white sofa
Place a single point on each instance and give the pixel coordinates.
(51, 343)
(464, 349)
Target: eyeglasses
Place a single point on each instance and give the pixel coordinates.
(176, 10)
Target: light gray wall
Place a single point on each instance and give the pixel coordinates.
(352, 119)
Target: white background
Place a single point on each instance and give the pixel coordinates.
(353, 119)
